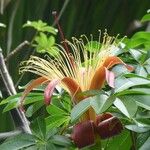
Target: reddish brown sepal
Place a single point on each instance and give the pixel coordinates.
(103, 117)
(109, 126)
(83, 134)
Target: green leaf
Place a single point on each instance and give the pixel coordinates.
(66, 103)
(10, 106)
(42, 39)
(138, 39)
(136, 54)
(147, 67)
(53, 51)
(46, 146)
(13, 101)
(80, 108)
(5, 101)
(51, 41)
(51, 133)
(123, 83)
(121, 142)
(54, 110)
(142, 90)
(101, 103)
(119, 70)
(55, 121)
(93, 46)
(18, 142)
(145, 121)
(135, 91)
(140, 70)
(29, 99)
(46, 44)
(146, 145)
(126, 105)
(41, 26)
(33, 147)
(50, 29)
(60, 140)
(142, 35)
(137, 129)
(141, 138)
(134, 43)
(142, 101)
(146, 18)
(33, 108)
(39, 127)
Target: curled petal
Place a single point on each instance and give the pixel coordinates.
(30, 87)
(49, 91)
(109, 127)
(83, 134)
(101, 75)
(73, 88)
(98, 79)
(113, 60)
(110, 78)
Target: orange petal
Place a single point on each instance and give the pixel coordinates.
(98, 79)
(30, 87)
(73, 87)
(97, 83)
(113, 60)
(100, 75)
(92, 114)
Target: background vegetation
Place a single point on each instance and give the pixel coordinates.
(77, 17)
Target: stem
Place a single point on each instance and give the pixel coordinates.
(54, 13)
(18, 116)
(30, 43)
(65, 45)
(9, 134)
(97, 145)
(133, 140)
(61, 12)
(16, 50)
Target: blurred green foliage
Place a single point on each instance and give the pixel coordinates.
(78, 17)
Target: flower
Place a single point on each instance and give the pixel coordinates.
(84, 68)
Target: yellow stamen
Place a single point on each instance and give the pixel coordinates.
(85, 63)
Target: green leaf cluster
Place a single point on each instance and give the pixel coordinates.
(44, 40)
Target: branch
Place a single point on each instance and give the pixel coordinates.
(18, 116)
(133, 140)
(16, 50)
(9, 134)
(61, 12)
